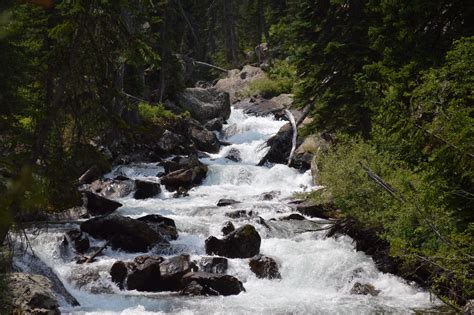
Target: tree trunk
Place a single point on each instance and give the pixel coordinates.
(262, 24)
(230, 37)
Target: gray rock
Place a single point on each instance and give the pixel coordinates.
(202, 283)
(227, 228)
(214, 124)
(205, 104)
(185, 178)
(124, 233)
(144, 274)
(237, 81)
(115, 188)
(241, 243)
(170, 142)
(204, 139)
(264, 267)
(216, 265)
(364, 289)
(32, 294)
(234, 155)
(163, 225)
(77, 240)
(146, 189)
(98, 205)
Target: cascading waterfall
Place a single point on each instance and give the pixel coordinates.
(317, 273)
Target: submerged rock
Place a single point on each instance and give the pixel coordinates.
(293, 216)
(241, 243)
(124, 233)
(78, 240)
(32, 294)
(264, 267)
(364, 289)
(202, 283)
(98, 205)
(226, 202)
(234, 155)
(240, 214)
(146, 189)
(216, 265)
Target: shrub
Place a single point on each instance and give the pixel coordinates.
(281, 79)
(413, 210)
(155, 113)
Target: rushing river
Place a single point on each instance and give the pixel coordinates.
(317, 273)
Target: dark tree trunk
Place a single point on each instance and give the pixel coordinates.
(230, 38)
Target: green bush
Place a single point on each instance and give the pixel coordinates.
(413, 210)
(280, 79)
(155, 113)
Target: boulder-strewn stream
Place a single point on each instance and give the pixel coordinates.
(300, 271)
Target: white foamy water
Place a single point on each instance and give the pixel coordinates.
(317, 273)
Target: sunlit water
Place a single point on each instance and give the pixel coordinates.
(317, 273)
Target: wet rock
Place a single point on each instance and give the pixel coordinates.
(241, 243)
(146, 189)
(32, 294)
(170, 142)
(227, 228)
(280, 146)
(186, 178)
(78, 240)
(119, 272)
(202, 283)
(116, 188)
(124, 233)
(214, 124)
(144, 274)
(269, 195)
(172, 270)
(293, 216)
(204, 139)
(364, 289)
(163, 225)
(98, 205)
(205, 104)
(226, 202)
(312, 209)
(88, 279)
(233, 155)
(264, 267)
(71, 214)
(216, 265)
(181, 162)
(240, 214)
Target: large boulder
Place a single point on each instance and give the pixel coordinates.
(146, 189)
(144, 274)
(32, 294)
(202, 283)
(152, 274)
(124, 233)
(205, 104)
(172, 270)
(264, 267)
(241, 243)
(184, 178)
(262, 107)
(238, 81)
(98, 205)
(181, 162)
(204, 139)
(163, 225)
(216, 265)
(312, 145)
